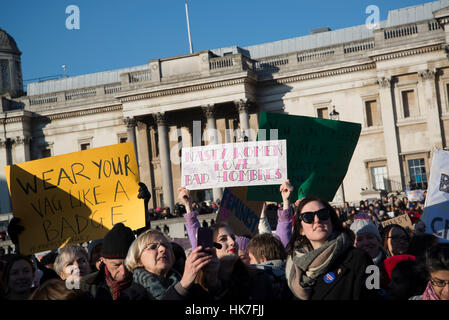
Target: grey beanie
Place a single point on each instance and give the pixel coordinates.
(361, 226)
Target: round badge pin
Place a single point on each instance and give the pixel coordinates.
(329, 277)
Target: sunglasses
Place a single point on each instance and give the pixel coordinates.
(309, 217)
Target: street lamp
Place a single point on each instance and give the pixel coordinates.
(334, 115)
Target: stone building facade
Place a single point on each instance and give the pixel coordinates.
(393, 79)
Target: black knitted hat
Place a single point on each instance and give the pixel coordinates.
(117, 242)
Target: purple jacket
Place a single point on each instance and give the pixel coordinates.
(284, 226)
(192, 225)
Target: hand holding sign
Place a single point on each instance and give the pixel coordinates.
(185, 198)
(286, 190)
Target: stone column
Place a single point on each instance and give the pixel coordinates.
(131, 131)
(389, 126)
(21, 149)
(212, 130)
(164, 155)
(242, 107)
(433, 115)
(144, 154)
(5, 201)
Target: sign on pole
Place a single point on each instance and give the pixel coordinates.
(241, 215)
(319, 152)
(75, 197)
(234, 164)
(436, 207)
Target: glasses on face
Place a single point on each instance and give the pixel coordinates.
(156, 245)
(309, 217)
(398, 238)
(438, 283)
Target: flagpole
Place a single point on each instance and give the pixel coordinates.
(188, 28)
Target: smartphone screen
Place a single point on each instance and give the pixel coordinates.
(205, 237)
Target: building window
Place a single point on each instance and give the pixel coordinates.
(4, 75)
(156, 143)
(323, 113)
(409, 103)
(379, 177)
(84, 146)
(373, 117)
(46, 153)
(418, 175)
(123, 139)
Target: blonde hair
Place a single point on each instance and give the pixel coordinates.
(132, 260)
(67, 254)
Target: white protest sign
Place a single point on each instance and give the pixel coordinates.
(415, 195)
(436, 207)
(251, 163)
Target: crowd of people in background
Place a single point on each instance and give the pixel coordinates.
(312, 251)
(203, 207)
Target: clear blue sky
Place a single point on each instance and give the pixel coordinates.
(116, 34)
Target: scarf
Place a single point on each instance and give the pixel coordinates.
(306, 266)
(155, 285)
(429, 293)
(116, 287)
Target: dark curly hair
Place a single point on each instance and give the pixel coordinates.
(299, 241)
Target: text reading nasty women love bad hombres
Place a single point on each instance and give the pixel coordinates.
(75, 197)
(234, 164)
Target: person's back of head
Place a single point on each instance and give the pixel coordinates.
(437, 257)
(266, 247)
(408, 279)
(56, 289)
(180, 257)
(420, 243)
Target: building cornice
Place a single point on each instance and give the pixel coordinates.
(78, 113)
(409, 52)
(185, 89)
(321, 74)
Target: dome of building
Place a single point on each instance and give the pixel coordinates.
(7, 43)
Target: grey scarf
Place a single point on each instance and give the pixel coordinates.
(156, 286)
(306, 266)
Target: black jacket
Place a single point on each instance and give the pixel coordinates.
(96, 288)
(350, 279)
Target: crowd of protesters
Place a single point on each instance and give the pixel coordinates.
(201, 207)
(315, 252)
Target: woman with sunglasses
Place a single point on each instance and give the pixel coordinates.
(437, 264)
(322, 263)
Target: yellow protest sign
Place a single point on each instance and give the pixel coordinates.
(75, 197)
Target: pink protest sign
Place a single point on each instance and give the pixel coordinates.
(234, 164)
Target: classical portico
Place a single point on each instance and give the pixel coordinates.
(193, 105)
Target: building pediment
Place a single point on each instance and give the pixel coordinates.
(442, 13)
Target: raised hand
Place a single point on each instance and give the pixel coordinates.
(185, 198)
(14, 229)
(286, 190)
(196, 260)
(144, 193)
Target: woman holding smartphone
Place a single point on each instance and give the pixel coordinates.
(236, 280)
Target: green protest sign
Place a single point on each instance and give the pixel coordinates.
(319, 152)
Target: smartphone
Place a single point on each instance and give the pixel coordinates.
(205, 237)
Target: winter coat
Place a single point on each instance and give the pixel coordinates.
(349, 283)
(276, 271)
